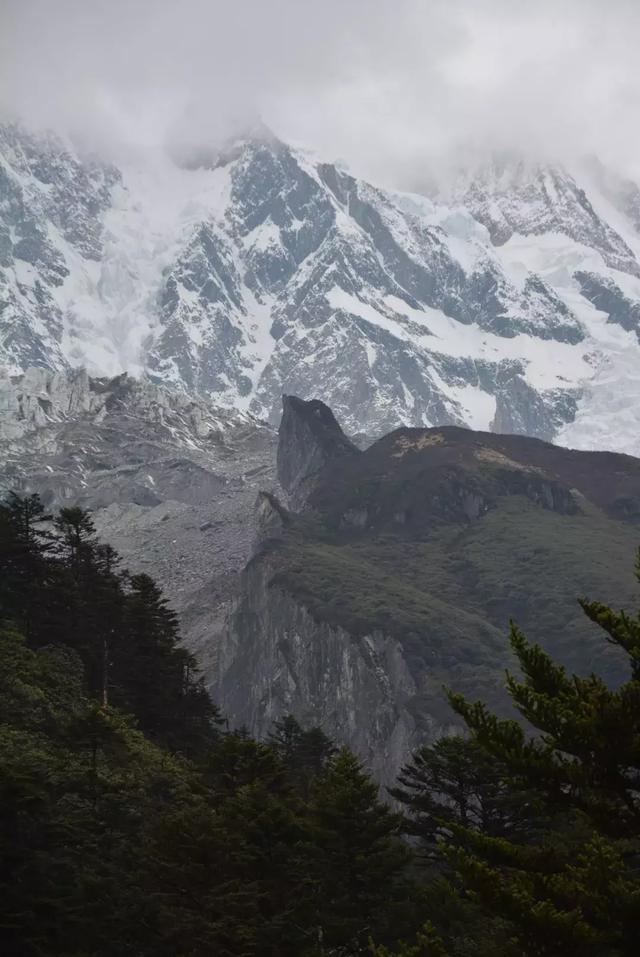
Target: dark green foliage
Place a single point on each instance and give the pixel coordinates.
(566, 879)
(305, 752)
(155, 678)
(24, 545)
(130, 824)
(61, 586)
(457, 782)
(427, 944)
(230, 870)
(77, 786)
(112, 846)
(357, 860)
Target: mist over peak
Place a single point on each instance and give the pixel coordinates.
(213, 152)
(392, 89)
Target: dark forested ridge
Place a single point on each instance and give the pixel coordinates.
(134, 822)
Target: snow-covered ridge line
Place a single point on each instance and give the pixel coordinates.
(511, 303)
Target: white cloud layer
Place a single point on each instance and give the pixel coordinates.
(388, 85)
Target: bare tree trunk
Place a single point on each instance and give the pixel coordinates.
(105, 674)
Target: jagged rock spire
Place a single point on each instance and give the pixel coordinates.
(309, 438)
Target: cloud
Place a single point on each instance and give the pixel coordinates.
(387, 86)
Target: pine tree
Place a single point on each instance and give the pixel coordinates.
(577, 888)
(357, 859)
(156, 678)
(427, 944)
(455, 781)
(87, 596)
(25, 542)
(64, 587)
(78, 787)
(304, 752)
(235, 859)
(285, 738)
(129, 824)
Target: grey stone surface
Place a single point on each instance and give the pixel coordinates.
(171, 481)
(276, 659)
(605, 295)
(309, 438)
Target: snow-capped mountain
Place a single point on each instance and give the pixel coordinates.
(511, 301)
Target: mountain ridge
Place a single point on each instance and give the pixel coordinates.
(259, 270)
(397, 571)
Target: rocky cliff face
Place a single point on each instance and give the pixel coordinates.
(402, 570)
(170, 480)
(507, 303)
(309, 439)
(279, 659)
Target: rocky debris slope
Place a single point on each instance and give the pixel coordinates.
(171, 480)
(401, 568)
(507, 303)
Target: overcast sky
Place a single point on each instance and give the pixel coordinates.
(386, 86)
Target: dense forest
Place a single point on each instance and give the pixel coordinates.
(135, 822)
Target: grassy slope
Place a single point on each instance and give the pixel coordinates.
(449, 596)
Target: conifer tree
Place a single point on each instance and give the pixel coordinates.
(577, 888)
(25, 542)
(236, 859)
(456, 781)
(427, 944)
(305, 752)
(156, 678)
(357, 858)
(83, 618)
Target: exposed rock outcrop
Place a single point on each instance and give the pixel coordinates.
(271, 518)
(279, 659)
(308, 440)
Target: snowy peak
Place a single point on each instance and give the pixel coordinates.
(42, 175)
(242, 273)
(52, 206)
(510, 195)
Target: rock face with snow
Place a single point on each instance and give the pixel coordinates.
(171, 481)
(509, 302)
(51, 213)
(513, 197)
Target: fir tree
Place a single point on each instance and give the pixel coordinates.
(576, 889)
(304, 752)
(357, 859)
(156, 678)
(456, 781)
(25, 542)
